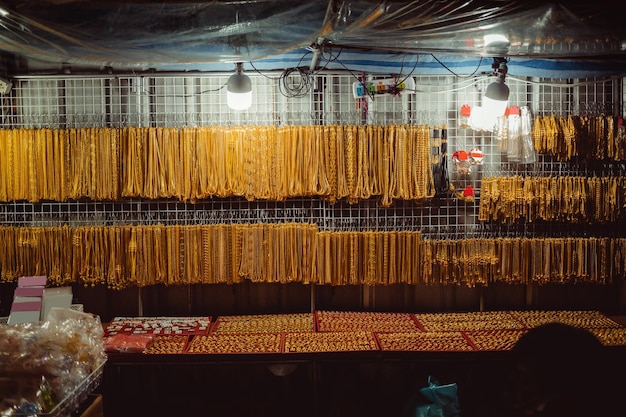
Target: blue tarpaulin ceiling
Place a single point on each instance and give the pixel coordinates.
(573, 37)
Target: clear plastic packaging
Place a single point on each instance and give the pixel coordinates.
(186, 35)
(48, 360)
(529, 155)
(514, 147)
(127, 343)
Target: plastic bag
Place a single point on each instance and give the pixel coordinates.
(429, 410)
(528, 148)
(64, 350)
(127, 343)
(444, 399)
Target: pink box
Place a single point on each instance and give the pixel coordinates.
(27, 306)
(29, 291)
(36, 281)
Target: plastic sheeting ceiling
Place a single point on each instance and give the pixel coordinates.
(209, 35)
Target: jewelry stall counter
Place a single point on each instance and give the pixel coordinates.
(311, 335)
(314, 364)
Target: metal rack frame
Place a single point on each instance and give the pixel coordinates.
(175, 100)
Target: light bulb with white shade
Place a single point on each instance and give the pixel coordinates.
(496, 98)
(239, 90)
(494, 101)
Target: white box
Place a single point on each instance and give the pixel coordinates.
(56, 297)
(17, 317)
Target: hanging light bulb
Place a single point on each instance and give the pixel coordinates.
(496, 96)
(495, 100)
(239, 90)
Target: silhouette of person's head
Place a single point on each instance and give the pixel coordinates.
(557, 372)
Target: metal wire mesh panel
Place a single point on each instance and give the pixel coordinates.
(579, 97)
(294, 98)
(38, 104)
(85, 106)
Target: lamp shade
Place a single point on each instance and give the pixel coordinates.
(496, 99)
(494, 104)
(239, 90)
(497, 90)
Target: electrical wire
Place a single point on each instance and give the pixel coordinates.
(369, 93)
(288, 89)
(456, 87)
(417, 58)
(292, 89)
(263, 74)
(330, 59)
(213, 90)
(455, 74)
(335, 58)
(295, 90)
(556, 85)
(300, 89)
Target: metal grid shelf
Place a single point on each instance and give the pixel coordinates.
(199, 100)
(432, 217)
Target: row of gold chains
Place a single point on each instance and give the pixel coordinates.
(79, 173)
(188, 174)
(370, 258)
(235, 161)
(15, 248)
(253, 161)
(31, 148)
(315, 158)
(7, 158)
(105, 164)
(32, 165)
(342, 165)
(275, 253)
(337, 263)
(253, 264)
(132, 149)
(268, 162)
(351, 158)
(92, 163)
(49, 165)
(571, 199)
(141, 256)
(561, 260)
(474, 262)
(590, 137)
(467, 262)
(155, 184)
(163, 167)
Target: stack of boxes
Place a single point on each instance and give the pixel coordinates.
(27, 300)
(32, 300)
